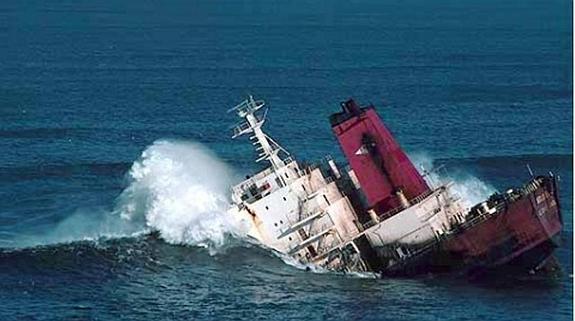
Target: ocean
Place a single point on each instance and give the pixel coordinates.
(116, 154)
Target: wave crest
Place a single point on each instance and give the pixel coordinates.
(180, 189)
(471, 189)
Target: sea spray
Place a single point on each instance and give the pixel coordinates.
(85, 224)
(469, 188)
(181, 190)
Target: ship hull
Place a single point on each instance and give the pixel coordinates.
(380, 214)
(520, 236)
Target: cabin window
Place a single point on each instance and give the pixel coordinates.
(305, 190)
(281, 222)
(325, 198)
(267, 208)
(275, 224)
(286, 175)
(289, 238)
(285, 198)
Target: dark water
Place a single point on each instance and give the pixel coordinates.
(86, 86)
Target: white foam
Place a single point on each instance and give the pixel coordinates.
(181, 190)
(469, 188)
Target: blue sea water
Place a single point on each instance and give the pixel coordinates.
(87, 86)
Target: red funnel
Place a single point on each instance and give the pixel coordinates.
(381, 166)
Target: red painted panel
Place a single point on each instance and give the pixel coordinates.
(526, 223)
(378, 161)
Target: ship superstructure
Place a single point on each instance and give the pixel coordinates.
(380, 214)
(295, 210)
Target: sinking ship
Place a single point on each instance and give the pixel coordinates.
(379, 214)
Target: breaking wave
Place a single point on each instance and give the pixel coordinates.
(177, 189)
(469, 188)
(181, 190)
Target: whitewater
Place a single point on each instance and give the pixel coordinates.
(181, 190)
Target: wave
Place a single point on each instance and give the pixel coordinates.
(125, 255)
(504, 171)
(178, 189)
(181, 190)
(147, 250)
(468, 187)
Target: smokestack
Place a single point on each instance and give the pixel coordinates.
(381, 166)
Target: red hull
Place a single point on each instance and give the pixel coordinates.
(519, 227)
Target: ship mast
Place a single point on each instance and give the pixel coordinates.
(268, 149)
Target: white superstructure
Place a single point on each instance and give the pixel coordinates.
(305, 211)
